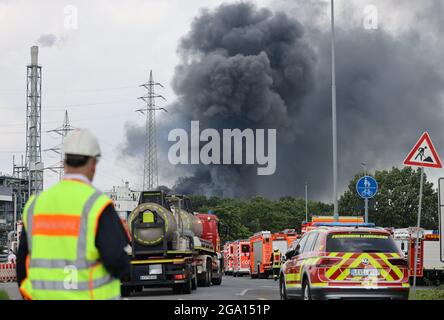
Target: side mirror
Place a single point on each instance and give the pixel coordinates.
(289, 254)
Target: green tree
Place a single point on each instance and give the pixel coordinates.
(396, 203)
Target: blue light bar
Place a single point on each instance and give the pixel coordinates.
(344, 224)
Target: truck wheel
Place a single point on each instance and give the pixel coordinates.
(207, 281)
(125, 291)
(194, 281)
(177, 289)
(187, 287)
(217, 281)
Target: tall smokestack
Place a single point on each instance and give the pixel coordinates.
(34, 55)
(34, 162)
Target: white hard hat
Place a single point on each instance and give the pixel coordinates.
(81, 142)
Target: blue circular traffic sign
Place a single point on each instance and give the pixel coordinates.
(367, 187)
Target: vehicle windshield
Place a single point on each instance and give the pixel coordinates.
(360, 242)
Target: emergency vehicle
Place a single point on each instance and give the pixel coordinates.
(241, 257)
(326, 220)
(338, 262)
(262, 245)
(430, 269)
(228, 258)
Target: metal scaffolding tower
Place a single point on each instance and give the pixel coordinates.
(34, 163)
(18, 184)
(150, 172)
(63, 132)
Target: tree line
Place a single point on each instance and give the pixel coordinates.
(395, 205)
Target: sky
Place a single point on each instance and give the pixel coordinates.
(390, 84)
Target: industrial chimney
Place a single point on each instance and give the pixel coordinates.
(34, 55)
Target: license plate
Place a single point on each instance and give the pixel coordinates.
(150, 277)
(364, 272)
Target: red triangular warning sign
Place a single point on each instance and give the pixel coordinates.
(423, 154)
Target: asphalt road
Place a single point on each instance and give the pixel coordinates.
(239, 288)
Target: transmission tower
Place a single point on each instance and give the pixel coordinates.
(63, 132)
(34, 163)
(150, 173)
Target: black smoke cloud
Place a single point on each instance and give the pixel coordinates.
(244, 67)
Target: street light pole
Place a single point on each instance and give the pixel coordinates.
(366, 199)
(333, 107)
(306, 203)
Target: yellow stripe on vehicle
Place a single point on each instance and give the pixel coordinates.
(372, 262)
(158, 261)
(333, 269)
(392, 267)
(319, 284)
(384, 273)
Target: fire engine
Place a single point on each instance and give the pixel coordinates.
(262, 245)
(241, 257)
(228, 258)
(429, 269)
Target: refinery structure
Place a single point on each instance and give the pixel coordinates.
(28, 169)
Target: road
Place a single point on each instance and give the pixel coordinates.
(242, 288)
(239, 288)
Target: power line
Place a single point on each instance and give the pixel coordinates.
(75, 120)
(65, 106)
(77, 90)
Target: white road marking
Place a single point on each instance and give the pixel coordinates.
(242, 293)
(260, 298)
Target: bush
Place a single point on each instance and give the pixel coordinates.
(3, 295)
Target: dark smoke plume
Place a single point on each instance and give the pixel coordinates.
(244, 67)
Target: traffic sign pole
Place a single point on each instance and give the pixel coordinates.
(366, 187)
(417, 235)
(366, 210)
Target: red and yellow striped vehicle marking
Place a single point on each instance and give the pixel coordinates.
(379, 261)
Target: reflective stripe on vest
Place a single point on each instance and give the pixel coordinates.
(48, 275)
(81, 262)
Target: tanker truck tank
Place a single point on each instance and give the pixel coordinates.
(152, 213)
(191, 224)
(145, 224)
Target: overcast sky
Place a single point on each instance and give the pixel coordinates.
(94, 71)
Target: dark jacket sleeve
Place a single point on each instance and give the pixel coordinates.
(21, 257)
(111, 239)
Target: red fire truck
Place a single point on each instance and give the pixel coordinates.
(262, 245)
(241, 257)
(228, 258)
(430, 269)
